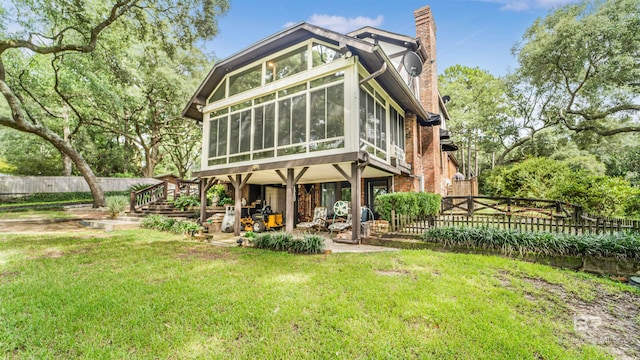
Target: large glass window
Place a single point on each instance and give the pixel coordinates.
(287, 64)
(322, 54)
(373, 124)
(240, 132)
(397, 128)
(327, 113)
(246, 80)
(264, 126)
(301, 118)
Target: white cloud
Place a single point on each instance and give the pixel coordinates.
(341, 24)
(521, 5)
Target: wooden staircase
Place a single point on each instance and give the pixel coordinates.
(153, 200)
(164, 208)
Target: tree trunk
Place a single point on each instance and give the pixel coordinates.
(77, 159)
(66, 160)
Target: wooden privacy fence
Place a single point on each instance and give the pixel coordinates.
(511, 213)
(24, 185)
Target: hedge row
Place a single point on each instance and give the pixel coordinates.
(163, 223)
(621, 245)
(280, 241)
(408, 203)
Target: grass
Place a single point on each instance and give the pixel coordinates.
(149, 294)
(37, 214)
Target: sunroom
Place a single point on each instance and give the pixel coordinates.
(306, 106)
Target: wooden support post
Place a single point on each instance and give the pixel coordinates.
(356, 172)
(205, 185)
(289, 207)
(238, 184)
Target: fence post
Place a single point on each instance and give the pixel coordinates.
(132, 202)
(470, 206)
(393, 220)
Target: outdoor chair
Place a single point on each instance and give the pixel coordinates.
(319, 221)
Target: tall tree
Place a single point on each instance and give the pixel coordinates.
(50, 30)
(588, 52)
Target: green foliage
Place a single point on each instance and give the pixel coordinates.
(408, 203)
(163, 223)
(157, 222)
(116, 205)
(53, 198)
(159, 297)
(586, 53)
(185, 201)
(220, 191)
(621, 245)
(280, 241)
(544, 178)
(138, 187)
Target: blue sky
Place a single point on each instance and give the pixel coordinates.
(475, 33)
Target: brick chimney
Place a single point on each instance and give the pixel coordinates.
(429, 98)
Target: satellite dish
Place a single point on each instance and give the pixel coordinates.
(412, 63)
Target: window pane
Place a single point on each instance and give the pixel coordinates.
(335, 111)
(393, 131)
(284, 122)
(245, 131)
(401, 131)
(213, 138)
(323, 54)
(327, 79)
(219, 94)
(234, 138)
(299, 119)
(292, 90)
(287, 64)
(246, 80)
(371, 120)
(317, 122)
(222, 136)
(363, 114)
(269, 125)
(258, 128)
(381, 130)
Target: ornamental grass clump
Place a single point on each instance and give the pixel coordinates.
(280, 241)
(163, 223)
(621, 245)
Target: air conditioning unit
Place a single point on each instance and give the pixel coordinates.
(397, 152)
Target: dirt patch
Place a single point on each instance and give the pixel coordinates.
(205, 254)
(28, 228)
(392, 272)
(611, 321)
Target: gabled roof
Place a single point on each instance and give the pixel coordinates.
(370, 56)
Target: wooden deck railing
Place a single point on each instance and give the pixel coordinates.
(148, 195)
(512, 213)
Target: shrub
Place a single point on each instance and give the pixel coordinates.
(221, 192)
(280, 241)
(408, 203)
(116, 205)
(619, 245)
(185, 201)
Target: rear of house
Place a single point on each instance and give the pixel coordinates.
(308, 116)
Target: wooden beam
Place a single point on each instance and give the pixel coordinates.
(289, 207)
(304, 170)
(238, 204)
(342, 172)
(244, 182)
(205, 185)
(284, 178)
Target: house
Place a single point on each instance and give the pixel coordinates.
(309, 116)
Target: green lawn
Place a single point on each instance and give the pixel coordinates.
(147, 294)
(36, 214)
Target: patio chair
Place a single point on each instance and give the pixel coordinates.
(319, 221)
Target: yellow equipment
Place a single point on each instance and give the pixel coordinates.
(263, 220)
